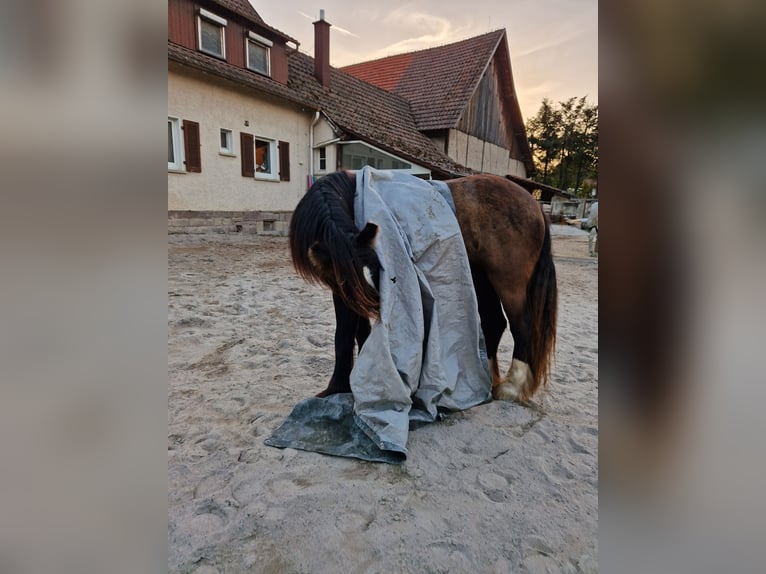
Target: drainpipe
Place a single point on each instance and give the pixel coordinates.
(311, 144)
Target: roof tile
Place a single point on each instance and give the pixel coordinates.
(246, 10)
(427, 79)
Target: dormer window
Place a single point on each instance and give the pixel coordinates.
(212, 33)
(258, 57)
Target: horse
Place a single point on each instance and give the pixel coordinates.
(508, 242)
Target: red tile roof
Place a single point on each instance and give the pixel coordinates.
(245, 9)
(371, 114)
(438, 82)
(241, 7)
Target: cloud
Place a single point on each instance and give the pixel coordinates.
(559, 41)
(433, 31)
(334, 27)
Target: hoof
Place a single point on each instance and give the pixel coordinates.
(516, 385)
(505, 392)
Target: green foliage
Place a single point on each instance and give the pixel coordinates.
(564, 142)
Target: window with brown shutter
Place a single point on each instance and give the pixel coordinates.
(247, 147)
(284, 161)
(192, 146)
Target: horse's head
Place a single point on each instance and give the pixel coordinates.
(353, 273)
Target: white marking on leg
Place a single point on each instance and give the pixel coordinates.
(494, 372)
(516, 384)
(368, 275)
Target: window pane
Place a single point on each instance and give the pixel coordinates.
(224, 139)
(211, 37)
(262, 159)
(258, 57)
(355, 156)
(171, 151)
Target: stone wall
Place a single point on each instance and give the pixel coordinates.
(254, 222)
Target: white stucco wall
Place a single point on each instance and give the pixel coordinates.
(324, 133)
(220, 186)
(482, 156)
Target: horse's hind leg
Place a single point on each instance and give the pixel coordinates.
(493, 321)
(519, 379)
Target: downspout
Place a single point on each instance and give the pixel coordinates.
(311, 145)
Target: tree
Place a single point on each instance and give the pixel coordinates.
(564, 142)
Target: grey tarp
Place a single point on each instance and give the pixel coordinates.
(426, 353)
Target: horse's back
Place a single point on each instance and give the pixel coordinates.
(498, 218)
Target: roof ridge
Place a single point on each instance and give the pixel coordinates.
(498, 31)
(245, 9)
(357, 79)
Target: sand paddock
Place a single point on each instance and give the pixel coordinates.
(498, 488)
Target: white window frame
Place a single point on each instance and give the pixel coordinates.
(415, 169)
(265, 43)
(227, 150)
(272, 175)
(322, 159)
(213, 19)
(178, 148)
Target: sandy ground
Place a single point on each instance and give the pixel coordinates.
(498, 488)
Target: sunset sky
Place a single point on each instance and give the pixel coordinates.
(553, 43)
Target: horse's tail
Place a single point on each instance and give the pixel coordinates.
(542, 305)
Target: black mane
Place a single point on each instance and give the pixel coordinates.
(324, 219)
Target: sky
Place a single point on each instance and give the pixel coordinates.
(553, 43)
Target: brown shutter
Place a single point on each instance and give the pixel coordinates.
(284, 161)
(192, 146)
(247, 147)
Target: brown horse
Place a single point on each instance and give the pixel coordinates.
(507, 238)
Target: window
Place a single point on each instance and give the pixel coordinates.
(322, 158)
(264, 158)
(183, 152)
(175, 157)
(227, 142)
(264, 155)
(212, 33)
(357, 155)
(258, 58)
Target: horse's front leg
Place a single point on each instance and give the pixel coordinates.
(346, 325)
(363, 329)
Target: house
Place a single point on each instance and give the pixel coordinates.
(252, 120)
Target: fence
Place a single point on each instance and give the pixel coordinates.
(562, 209)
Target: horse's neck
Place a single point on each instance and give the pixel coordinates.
(347, 196)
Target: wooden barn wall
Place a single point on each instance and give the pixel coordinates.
(483, 117)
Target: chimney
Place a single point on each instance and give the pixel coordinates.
(322, 50)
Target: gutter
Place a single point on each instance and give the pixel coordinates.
(311, 145)
(290, 51)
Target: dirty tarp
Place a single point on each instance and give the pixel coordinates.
(426, 354)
